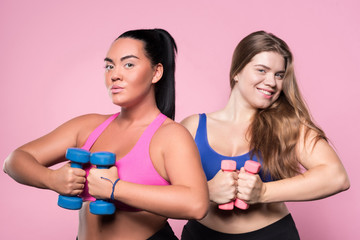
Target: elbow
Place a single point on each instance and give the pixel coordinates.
(345, 183)
(6, 166)
(342, 182)
(199, 206)
(9, 163)
(199, 210)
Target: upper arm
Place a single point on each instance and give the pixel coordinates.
(181, 157)
(50, 149)
(315, 152)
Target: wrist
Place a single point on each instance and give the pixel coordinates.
(211, 192)
(110, 192)
(112, 196)
(48, 181)
(263, 194)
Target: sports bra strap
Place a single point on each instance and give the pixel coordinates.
(201, 132)
(97, 132)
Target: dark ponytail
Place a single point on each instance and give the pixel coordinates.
(160, 47)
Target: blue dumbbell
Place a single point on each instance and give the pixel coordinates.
(77, 158)
(102, 160)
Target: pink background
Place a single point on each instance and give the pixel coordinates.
(51, 58)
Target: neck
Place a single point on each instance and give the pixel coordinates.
(145, 109)
(237, 109)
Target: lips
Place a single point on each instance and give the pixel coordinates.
(116, 89)
(267, 93)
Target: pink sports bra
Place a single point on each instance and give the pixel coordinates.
(136, 166)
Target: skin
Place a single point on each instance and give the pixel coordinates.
(258, 86)
(127, 68)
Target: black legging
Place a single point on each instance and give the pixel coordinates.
(284, 229)
(166, 233)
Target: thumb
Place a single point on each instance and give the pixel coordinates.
(242, 170)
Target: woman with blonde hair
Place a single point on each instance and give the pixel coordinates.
(265, 120)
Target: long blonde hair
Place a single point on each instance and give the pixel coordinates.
(275, 131)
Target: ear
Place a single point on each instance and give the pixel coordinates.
(236, 78)
(158, 73)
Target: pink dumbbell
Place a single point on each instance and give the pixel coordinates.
(228, 166)
(251, 167)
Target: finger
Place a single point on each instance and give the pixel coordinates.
(232, 183)
(241, 183)
(80, 180)
(242, 173)
(77, 187)
(92, 172)
(242, 196)
(235, 175)
(80, 186)
(234, 193)
(79, 172)
(77, 192)
(242, 178)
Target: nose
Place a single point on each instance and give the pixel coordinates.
(270, 80)
(115, 75)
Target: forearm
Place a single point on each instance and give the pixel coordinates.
(317, 183)
(24, 168)
(171, 201)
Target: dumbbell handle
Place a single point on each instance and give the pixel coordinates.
(102, 160)
(76, 165)
(77, 158)
(227, 166)
(251, 167)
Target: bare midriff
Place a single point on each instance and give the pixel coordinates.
(121, 225)
(242, 221)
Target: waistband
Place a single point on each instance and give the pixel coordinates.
(284, 229)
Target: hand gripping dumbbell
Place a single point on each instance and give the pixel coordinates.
(251, 167)
(102, 160)
(77, 158)
(228, 166)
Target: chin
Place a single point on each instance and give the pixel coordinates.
(118, 103)
(261, 106)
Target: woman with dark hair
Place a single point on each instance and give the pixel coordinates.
(265, 120)
(158, 170)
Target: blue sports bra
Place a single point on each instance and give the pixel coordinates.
(211, 160)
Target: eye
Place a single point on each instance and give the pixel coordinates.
(109, 67)
(128, 65)
(260, 70)
(279, 76)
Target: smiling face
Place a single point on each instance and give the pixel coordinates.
(129, 74)
(260, 81)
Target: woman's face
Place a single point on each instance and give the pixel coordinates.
(260, 81)
(129, 75)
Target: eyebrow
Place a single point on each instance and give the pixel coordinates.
(121, 59)
(268, 68)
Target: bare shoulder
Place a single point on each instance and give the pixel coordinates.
(173, 141)
(191, 123)
(172, 134)
(172, 128)
(87, 123)
(82, 123)
(92, 118)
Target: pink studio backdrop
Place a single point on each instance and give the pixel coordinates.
(52, 70)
